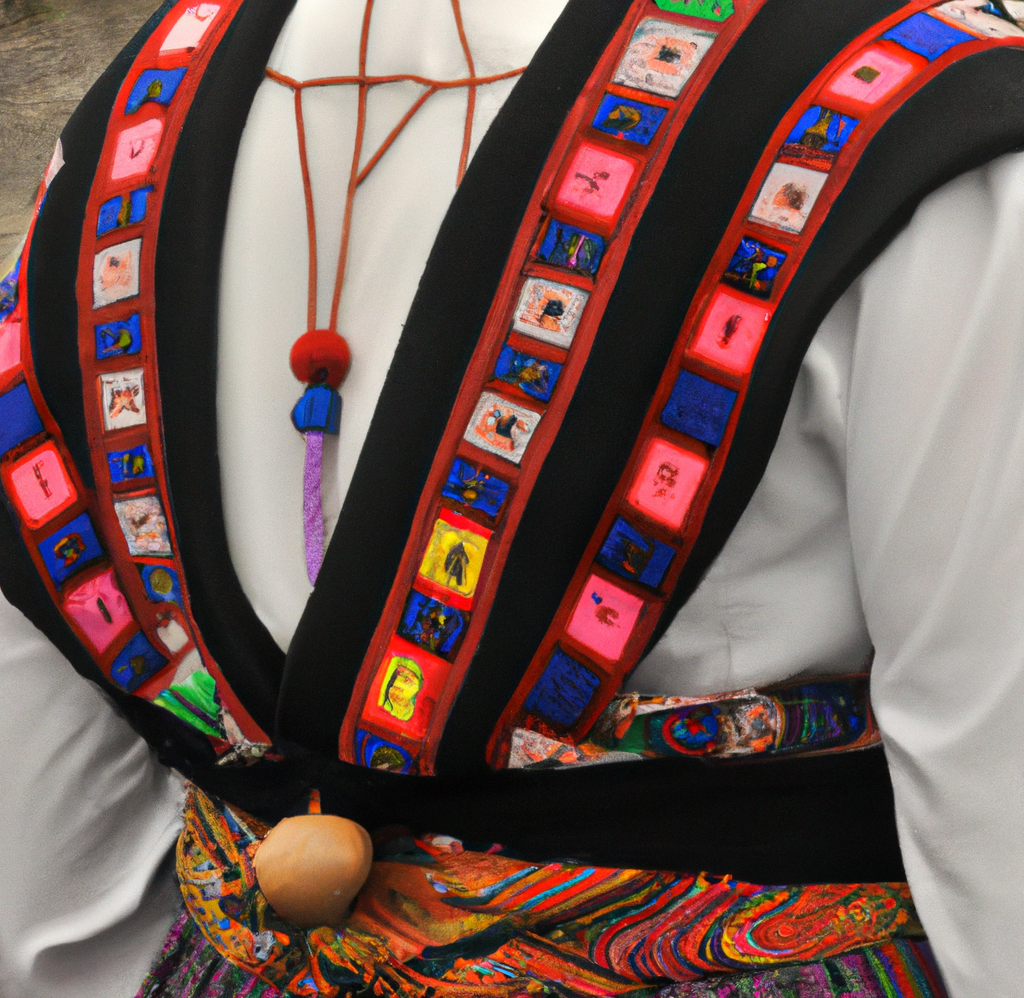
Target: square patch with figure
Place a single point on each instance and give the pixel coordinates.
(730, 333)
(501, 427)
(130, 465)
(376, 753)
(662, 56)
(474, 486)
(597, 183)
(433, 624)
(156, 85)
(754, 267)
(99, 608)
(144, 525)
(161, 583)
(39, 485)
(871, 76)
(816, 138)
(549, 311)
(115, 273)
(455, 553)
(122, 211)
(70, 549)
(979, 17)
(563, 692)
(787, 197)
(568, 246)
(405, 690)
(136, 149)
(666, 481)
(137, 662)
(627, 119)
(117, 339)
(604, 618)
(531, 375)
(635, 555)
(124, 399)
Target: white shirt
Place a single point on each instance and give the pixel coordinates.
(891, 512)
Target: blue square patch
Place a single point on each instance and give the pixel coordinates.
(927, 35)
(563, 691)
(628, 119)
(70, 549)
(130, 465)
(635, 555)
(570, 247)
(699, 408)
(161, 583)
(475, 487)
(137, 662)
(122, 211)
(432, 625)
(375, 753)
(18, 417)
(528, 374)
(116, 339)
(754, 267)
(157, 85)
(9, 292)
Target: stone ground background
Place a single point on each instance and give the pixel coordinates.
(51, 51)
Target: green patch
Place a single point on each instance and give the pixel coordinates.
(710, 10)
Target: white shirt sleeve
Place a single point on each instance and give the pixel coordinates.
(935, 488)
(87, 817)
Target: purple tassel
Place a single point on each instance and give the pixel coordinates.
(312, 504)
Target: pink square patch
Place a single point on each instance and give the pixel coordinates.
(597, 182)
(40, 486)
(189, 29)
(136, 149)
(666, 483)
(604, 618)
(730, 333)
(10, 345)
(871, 76)
(100, 610)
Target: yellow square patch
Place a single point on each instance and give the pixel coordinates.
(455, 553)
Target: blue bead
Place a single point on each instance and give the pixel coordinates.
(319, 409)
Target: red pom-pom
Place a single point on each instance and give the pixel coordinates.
(320, 357)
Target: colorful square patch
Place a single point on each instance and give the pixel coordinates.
(754, 267)
(71, 548)
(39, 485)
(189, 29)
(474, 486)
(871, 76)
(19, 419)
(570, 247)
(549, 311)
(405, 690)
(501, 427)
(144, 525)
(711, 10)
(926, 35)
(699, 408)
(529, 374)
(666, 482)
(115, 273)
(628, 119)
(597, 183)
(122, 211)
(816, 138)
(731, 332)
(10, 345)
(9, 291)
(116, 339)
(635, 555)
(787, 197)
(130, 465)
(100, 610)
(979, 17)
(124, 399)
(156, 85)
(161, 583)
(662, 56)
(604, 618)
(563, 691)
(376, 753)
(455, 553)
(137, 662)
(136, 149)
(432, 624)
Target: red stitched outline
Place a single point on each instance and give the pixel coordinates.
(796, 245)
(478, 375)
